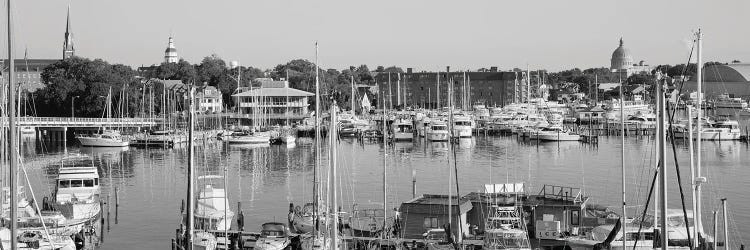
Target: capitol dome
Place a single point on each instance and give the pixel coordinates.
(621, 58)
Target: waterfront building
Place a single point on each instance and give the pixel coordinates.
(69, 49)
(209, 99)
(418, 89)
(274, 103)
(28, 72)
(430, 211)
(170, 54)
(732, 79)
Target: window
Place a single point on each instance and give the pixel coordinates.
(96, 181)
(431, 222)
(64, 183)
(88, 183)
(76, 183)
(574, 217)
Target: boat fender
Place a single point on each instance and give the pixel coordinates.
(79, 240)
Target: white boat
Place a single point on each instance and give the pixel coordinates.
(642, 119)
(249, 138)
(678, 237)
(463, 126)
(212, 209)
(366, 221)
(724, 101)
(438, 131)
(204, 241)
(77, 191)
(725, 130)
(302, 220)
(273, 236)
(36, 240)
(108, 138)
(319, 242)
(630, 107)
(402, 130)
(555, 133)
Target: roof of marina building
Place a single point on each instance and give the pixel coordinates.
(274, 88)
(735, 72)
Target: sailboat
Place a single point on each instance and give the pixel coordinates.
(188, 236)
(107, 137)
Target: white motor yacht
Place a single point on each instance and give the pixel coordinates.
(108, 138)
(77, 191)
(438, 131)
(724, 130)
(273, 236)
(402, 130)
(249, 138)
(555, 133)
(212, 209)
(463, 126)
(422, 126)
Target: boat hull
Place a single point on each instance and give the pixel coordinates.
(101, 142)
(400, 136)
(437, 136)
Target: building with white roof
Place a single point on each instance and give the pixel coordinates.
(274, 103)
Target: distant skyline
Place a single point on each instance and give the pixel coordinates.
(420, 34)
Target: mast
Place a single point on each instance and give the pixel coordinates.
(699, 129)
(398, 89)
(332, 139)
(317, 145)
(528, 83)
(385, 167)
(12, 131)
(352, 97)
(662, 137)
(726, 227)
(437, 92)
(190, 171)
(692, 176)
(390, 92)
(622, 166)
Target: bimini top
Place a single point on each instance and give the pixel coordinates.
(77, 167)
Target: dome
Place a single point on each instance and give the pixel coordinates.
(621, 58)
(170, 50)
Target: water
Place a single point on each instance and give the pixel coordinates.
(151, 183)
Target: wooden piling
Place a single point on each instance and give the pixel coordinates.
(117, 204)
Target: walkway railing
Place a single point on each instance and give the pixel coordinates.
(82, 122)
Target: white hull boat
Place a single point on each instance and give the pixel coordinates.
(108, 138)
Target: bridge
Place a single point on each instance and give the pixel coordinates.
(83, 122)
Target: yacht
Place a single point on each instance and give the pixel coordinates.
(108, 138)
(77, 191)
(366, 221)
(724, 101)
(36, 240)
(245, 137)
(402, 130)
(462, 126)
(438, 131)
(723, 130)
(678, 234)
(212, 210)
(422, 126)
(555, 133)
(642, 119)
(629, 107)
(273, 236)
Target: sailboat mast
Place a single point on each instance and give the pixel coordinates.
(12, 131)
(692, 176)
(332, 138)
(317, 144)
(352, 97)
(662, 137)
(190, 171)
(385, 165)
(622, 158)
(698, 125)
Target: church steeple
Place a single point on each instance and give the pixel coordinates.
(68, 48)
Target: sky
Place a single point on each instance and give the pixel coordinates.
(421, 34)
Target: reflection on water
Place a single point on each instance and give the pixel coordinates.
(266, 179)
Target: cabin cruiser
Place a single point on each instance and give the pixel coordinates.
(347, 129)
(438, 131)
(402, 130)
(37, 240)
(629, 107)
(642, 119)
(723, 130)
(212, 210)
(555, 133)
(366, 221)
(108, 138)
(273, 236)
(463, 126)
(724, 101)
(77, 191)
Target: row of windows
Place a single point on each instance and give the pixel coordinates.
(78, 183)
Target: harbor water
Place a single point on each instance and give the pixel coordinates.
(150, 183)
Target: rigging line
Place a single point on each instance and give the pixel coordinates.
(645, 209)
(679, 176)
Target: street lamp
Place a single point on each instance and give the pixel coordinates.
(73, 107)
